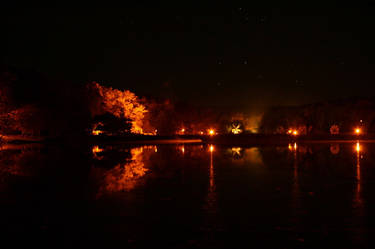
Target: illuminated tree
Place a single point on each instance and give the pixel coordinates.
(121, 104)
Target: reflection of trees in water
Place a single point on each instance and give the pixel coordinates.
(127, 173)
(125, 176)
(245, 155)
(16, 160)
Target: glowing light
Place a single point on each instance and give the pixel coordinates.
(293, 132)
(357, 131)
(358, 147)
(182, 148)
(156, 148)
(211, 132)
(122, 104)
(212, 148)
(182, 130)
(290, 147)
(96, 132)
(124, 177)
(236, 129)
(96, 149)
(201, 132)
(295, 146)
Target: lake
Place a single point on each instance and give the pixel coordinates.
(310, 195)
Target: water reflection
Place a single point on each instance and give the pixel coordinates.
(335, 149)
(212, 177)
(301, 192)
(125, 174)
(19, 160)
(357, 198)
(250, 155)
(237, 152)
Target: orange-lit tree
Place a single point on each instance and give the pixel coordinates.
(121, 104)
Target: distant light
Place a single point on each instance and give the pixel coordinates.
(96, 149)
(201, 132)
(96, 132)
(211, 132)
(236, 129)
(293, 132)
(357, 131)
(295, 146)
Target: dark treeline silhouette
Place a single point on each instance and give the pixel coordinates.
(321, 118)
(33, 105)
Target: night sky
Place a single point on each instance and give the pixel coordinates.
(236, 57)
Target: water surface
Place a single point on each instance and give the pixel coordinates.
(188, 196)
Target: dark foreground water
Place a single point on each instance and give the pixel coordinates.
(188, 196)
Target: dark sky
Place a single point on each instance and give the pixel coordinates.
(220, 56)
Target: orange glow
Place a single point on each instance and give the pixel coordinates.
(181, 131)
(236, 151)
(358, 147)
(96, 132)
(201, 132)
(96, 149)
(293, 132)
(295, 146)
(182, 148)
(124, 177)
(212, 148)
(211, 132)
(122, 104)
(236, 129)
(357, 131)
(290, 147)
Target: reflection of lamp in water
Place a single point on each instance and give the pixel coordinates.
(358, 200)
(212, 148)
(334, 148)
(290, 147)
(212, 183)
